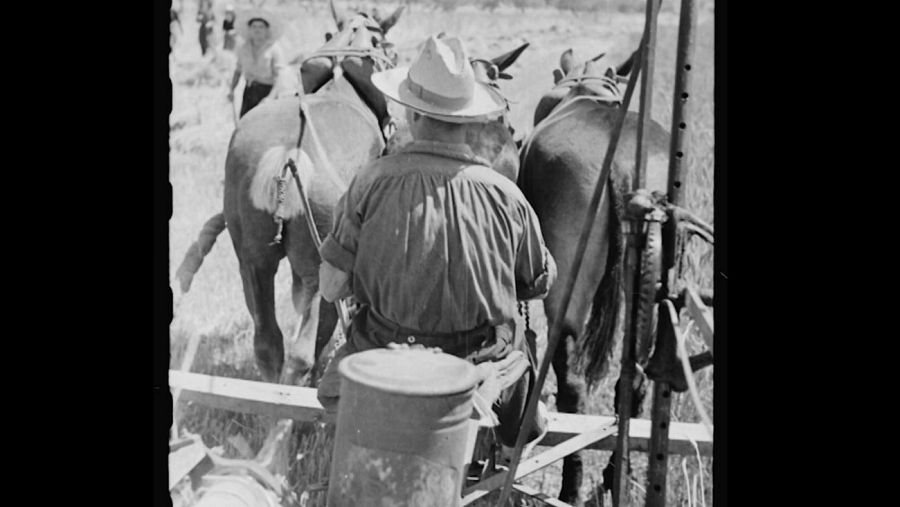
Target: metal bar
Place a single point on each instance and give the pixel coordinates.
(640, 158)
(687, 26)
(662, 393)
(659, 442)
(626, 377)
(576, 266)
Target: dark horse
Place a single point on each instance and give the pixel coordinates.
(561, 162)
(257, 153)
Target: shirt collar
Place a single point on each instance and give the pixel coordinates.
(448, 150)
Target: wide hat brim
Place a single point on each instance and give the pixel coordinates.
(485, 104)
(276, 27)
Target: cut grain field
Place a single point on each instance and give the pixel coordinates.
(201, 123)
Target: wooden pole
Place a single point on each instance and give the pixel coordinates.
(280, 401)
(186, 362)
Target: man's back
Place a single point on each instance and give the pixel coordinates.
(443, 241)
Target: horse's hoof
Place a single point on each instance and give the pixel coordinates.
(268, 373)
(269, 377)
(296, 373)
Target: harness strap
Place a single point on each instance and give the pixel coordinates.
(282, 183)
(376, 56)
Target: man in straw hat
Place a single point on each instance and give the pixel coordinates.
(434, 244)
(259, 59)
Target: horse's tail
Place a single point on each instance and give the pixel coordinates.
(596, 343)
(193, 258)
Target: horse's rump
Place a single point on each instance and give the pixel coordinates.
(340, 135)
(561, 162)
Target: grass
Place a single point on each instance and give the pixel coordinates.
(214, 309)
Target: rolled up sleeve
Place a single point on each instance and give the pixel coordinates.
(278, 61)
(535, 267)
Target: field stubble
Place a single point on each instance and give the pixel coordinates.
(201, 125)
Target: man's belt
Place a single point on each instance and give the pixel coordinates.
(378, 323)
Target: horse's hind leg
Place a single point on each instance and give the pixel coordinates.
(258, 276)
(570, 399)
(328, 319)
(301, 347)
(315, 325)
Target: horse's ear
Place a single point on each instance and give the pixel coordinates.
(328, 36)
(391, 20)
(340, 17)
(625, 68)
(610, 74)
(557, 76)
(566, 61)
(505, 60)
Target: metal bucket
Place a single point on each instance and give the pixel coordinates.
(235, 491)
(403, 429)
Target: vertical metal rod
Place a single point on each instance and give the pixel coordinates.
(556, 330)
(626, 377)
(627, 372)
(658, 454)
(662, 391)
(687, 26)
(640, 158)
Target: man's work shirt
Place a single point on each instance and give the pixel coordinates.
(260, 67)
(438, 243)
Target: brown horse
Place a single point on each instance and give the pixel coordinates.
(259, 148)
(561, 162)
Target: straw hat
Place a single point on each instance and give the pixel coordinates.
(243, 18)
(440, 83)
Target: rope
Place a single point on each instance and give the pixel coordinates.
(279, 207)
(524, 312)
(686, 367)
